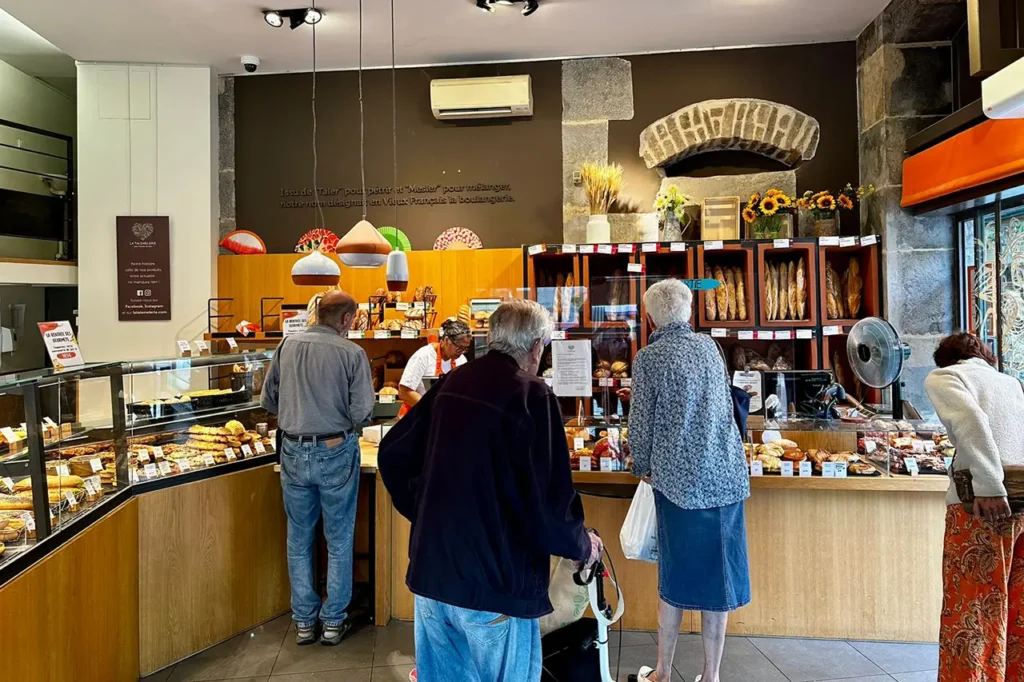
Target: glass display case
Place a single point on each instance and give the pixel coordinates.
(192, 414)
(62, 433)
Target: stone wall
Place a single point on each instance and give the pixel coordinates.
(905, 84)
(226, 155)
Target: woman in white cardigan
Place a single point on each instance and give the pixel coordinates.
(981, 637)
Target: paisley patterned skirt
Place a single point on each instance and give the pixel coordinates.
(982, 632)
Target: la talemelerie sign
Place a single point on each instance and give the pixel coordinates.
(143, 268)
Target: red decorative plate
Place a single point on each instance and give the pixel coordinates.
(321, 240)
(244, 243)
(457, 238)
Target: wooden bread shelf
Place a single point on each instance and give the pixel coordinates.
(734, 254)
(766, 254)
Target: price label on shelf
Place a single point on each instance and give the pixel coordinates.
(606, 382)
(260, 450)
(232, 344)
(828, 241)
(606, 464)
(8, 483)
(917, 446)
(626, 248)
(847, 242)
(355, 334)
(716, 245)
(158, 452)
(246, 451)
(626, 383)
(558, 335)
(831, 330)
(746, 335)
(585, 464)
(840, 469)
(828, 469)
(230, 454)
(677, 247)
(30, 521)
(635, 268)
(133, 476)
(364, 306)
(805, 333)
(586, 248)
(402, 307)
(96, 465)
(578, 443)
(787, 469)
(784, 335)
(869, 240)
(410, 333)
(150, 470)
(387, 399)
(62, 470)
(143, 455)
(949, 462)
(9, 435)
(719, 333)
(649, 247)
(165, 468)
(765, 336)
(536, 249)
(569, 248)
(202, 346)
(208, 460)
(781, 243)
(912, 468)
(756, 468)
(90, 487)
(606, 249)
(183, 465)
(419, 305)
(381, 334)
(184, 348)
(96, 482)
(271, 440)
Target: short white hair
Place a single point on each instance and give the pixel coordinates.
(517, 325)
(669, 301)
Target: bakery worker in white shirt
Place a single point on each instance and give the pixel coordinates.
(434, 360)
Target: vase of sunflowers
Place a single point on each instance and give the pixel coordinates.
(671, 208)
(770, 216)
(825, 207)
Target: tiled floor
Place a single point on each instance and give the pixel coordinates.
(269, 654)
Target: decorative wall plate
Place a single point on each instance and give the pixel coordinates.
(319, 239)
(456, 238)
(398, 239)
(243, 242)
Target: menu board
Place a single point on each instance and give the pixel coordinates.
(143, 268)
(573, 368)
(61, 344)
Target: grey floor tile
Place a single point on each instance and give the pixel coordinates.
(632, 658)
(249, 655)
(161, 676)
(900, 658)
(396, 645)
(929, 676)
(803, 660)
(394, 673)
(741, 660)
(631, 638)
(355, 652)
(360, 675)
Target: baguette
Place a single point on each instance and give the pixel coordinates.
(730, 288)
(559, 283)
(774, 275)
(12, 502)
(793, 293)
(741, 294)
(567, 297)
(801, 290)
(832, 293)
(710, 305)
(854, 288)
(722, 294)
(52, 482)
(783, 291)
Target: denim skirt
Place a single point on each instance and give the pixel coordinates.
(702, 557)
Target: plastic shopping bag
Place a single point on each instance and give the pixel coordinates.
(569, 599)
(639, 534)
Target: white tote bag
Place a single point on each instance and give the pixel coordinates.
(639, 534)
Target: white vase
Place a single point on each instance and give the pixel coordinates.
(599, 230)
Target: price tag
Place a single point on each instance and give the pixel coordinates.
(202, 346)
(183, 465)
(208, 460)
(232, 344)
(716, 245)
(364, 306)
(912, 468)
(828, 469)
(403, 307)
(869, 240)
(133, 476)
(840, 469)
(948, 461)
(62, 470)
(578, 443)
(606, 382)
(184, 348)
(536, 249)
(584, 463)
(150, 470)
(96, 465)
(90, 487)
(143, 455)
(718, 333)
(8, 483)
(648, 247)
(636, 268)
(828, 241)
(606, 463)
(847, 242)
(49, 422)
(9, 435)
(165, 468)
(272, 438)
(781, 243)
(387, 400)
(96, 482)
(765, 336)
(805, 333)
(381, 334)
(917, 446)
(230, 454)
(787, 469)
(606, 249)
(929, 446)
(419, 305)
(626, 383)
(260, 450)
(756, 468)
(831, 330)
(870, 446)
(677, 247)
(355, 334)
(746, 335)
(625, 248)
(569, 248)
(586, 248)
(783, 335)
(410, 333)
(558, 335)
(158, 452)
(246, 451)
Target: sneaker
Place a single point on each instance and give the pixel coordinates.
(333, 634)
(645, 674)
(306, 636)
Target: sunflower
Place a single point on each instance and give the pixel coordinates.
(749, 215)
(755, 199)
(774, 193)
(784, 200)
(826, 203)
(769, 205)
(845, 202)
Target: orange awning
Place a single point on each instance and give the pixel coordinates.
(988, 152)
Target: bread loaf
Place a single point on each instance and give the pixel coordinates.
(741, 294)
(730, 288)
(711, 305)
(783, 291)
(559, 283)
(53, 482)
(722, 293)
(771, 285)
(792, 293)
(801, 290)
(854, 288)
(832, 292)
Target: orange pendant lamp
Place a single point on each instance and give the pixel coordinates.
(363, 247)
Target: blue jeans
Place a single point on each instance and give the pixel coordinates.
(318, 478)
(474, 646)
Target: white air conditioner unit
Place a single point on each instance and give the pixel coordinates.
(1002, 93)
(498, 97)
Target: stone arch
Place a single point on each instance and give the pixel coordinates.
(753, 125)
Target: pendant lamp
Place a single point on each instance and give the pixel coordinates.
(398, 262)
(316, 269)
(398, 271)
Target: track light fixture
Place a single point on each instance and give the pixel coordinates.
(531, 7)
(296, 17)
(485, 5)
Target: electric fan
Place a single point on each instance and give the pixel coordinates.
(878, 356)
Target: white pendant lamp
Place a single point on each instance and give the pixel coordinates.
(316, 269)
(398, 261)
(398, 271)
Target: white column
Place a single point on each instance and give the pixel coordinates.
(147, 146)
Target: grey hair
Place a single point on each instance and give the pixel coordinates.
(518, 324)
(669, 301)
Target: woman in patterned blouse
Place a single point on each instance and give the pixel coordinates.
(684, 440)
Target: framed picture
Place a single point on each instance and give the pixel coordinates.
(720, 218)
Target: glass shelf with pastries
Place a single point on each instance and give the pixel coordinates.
(188, 415)
(62, 432)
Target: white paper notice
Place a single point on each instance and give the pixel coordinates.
(606, 464)
(718, 333)
(260, 450)
(765, 336)
(293, 321)
(828, 469)
(573, 368)
(381, 334)
(625, 248)
(831, 330)
(605, 249)
(232, 344)
(246, 450)
(184, 348)
(634, 268)
(784, 335)
(829, 241)
(410, 333)
(751, 383)
(61, 344)
(805, 333)
(586, 248)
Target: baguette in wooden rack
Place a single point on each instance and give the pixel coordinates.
(793, 293)
(833, 294)
(722, 294)
(741, 295)
(711, 305)
(801, 290)
(730, 288)
(854, 288)
(783, 291)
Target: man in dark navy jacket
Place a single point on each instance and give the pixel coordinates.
(481, 468)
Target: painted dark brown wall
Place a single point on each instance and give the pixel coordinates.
(273, 139)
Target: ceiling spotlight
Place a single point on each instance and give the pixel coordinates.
(295, 17)
(484, 5)
(274, 19)
(313, 16)
(531, 7)
(502, 2)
